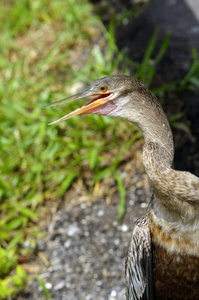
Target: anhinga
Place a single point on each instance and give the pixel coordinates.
(163, 256)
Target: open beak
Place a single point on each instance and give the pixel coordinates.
(98, 99)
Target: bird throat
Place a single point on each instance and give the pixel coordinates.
(104, 109)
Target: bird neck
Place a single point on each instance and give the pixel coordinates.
(173, 200)
(174, 191)
(174, 209)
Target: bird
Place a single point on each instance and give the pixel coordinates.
(162, 260)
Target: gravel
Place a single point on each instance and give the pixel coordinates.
(86, 251)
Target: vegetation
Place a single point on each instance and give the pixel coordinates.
(41, 43)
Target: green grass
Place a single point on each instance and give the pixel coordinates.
(41, 43)
(40, 162)
(191, 80)
(45, 290)
(147, 68)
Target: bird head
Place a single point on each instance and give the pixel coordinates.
(107, 95)
(124, 97)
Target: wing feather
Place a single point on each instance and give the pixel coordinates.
(139, 268)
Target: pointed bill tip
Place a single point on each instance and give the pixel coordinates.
(54, 122)
(46, 106)
(64, 118)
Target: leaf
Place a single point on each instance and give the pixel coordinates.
(163, 49)
(20, 276)
(176, 117)
(195, 81)
(183, 127)
(17, 239)
(35, 200)
(125, 148)
(66, 183)
(13, 224)
(26, 212)
(93, 157)
(149, 50)
(45, 290)
(102, 174)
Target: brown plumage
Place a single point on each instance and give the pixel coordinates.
(163, 257)
(175, 276)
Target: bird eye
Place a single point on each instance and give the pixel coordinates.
(103, 88)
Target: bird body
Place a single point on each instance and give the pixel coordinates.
(175, 269)
(163, 257)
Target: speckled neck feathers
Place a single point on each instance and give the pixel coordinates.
(175, 205)
(176, 194)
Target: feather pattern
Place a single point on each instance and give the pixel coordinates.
(139, 270)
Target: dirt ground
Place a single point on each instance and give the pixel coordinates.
(83, 256)
(86, 245)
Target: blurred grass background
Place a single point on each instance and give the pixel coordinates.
(43, 51)
(48, 51)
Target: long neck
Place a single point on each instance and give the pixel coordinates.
(174, 210)
(173, 191)
(176, 193)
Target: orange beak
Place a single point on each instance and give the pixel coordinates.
(99, 99)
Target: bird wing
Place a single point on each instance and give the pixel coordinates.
(138, 267)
